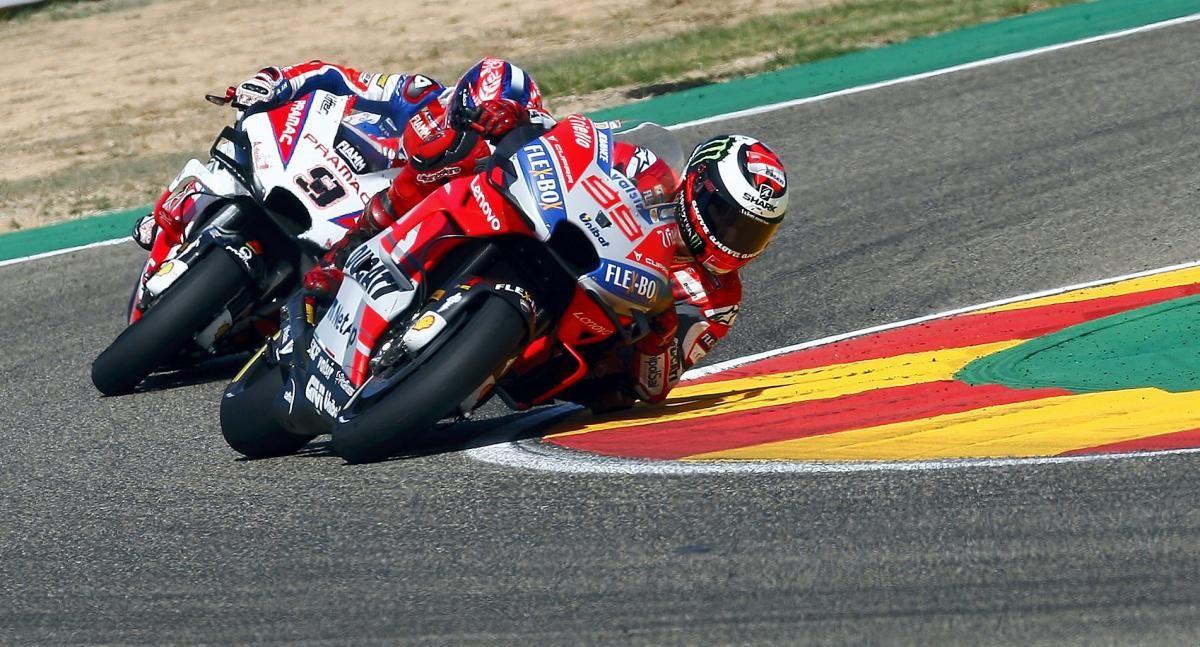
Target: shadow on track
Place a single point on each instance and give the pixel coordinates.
(213, 370)
(457, 437)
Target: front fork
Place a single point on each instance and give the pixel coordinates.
(224, 233)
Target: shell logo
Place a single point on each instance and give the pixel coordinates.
(424, 323)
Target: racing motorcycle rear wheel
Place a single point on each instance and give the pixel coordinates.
(183, 310)
(247, 422)
(491, 336)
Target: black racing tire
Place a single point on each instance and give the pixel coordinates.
(490, 336)
(183, 310)
(247, 421)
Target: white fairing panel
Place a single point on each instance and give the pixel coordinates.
(300, 154)
(570, 179)
(374, 290)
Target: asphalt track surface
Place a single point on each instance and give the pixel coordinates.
(128, 520)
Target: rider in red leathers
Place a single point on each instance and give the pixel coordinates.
(436, 133)
(389, 103)
(731, 200)
(394, 115)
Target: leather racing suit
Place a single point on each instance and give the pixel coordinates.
(410, 130)
(705, 306)
(403, 117)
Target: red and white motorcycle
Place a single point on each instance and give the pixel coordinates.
(508, 282)
(232, 237)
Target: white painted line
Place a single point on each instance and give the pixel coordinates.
(728, 364)
(68, 250)
(796, 102)
(534, 454)
(758, 110)
(547, 458)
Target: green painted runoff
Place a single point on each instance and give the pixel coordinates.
(1155, 346)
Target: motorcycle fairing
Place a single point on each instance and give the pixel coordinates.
(566, 176)
(632, 281)
(373, 291)
(288, 121)
(604, 147)
(542, 190)
(294, 148)
(557, 179)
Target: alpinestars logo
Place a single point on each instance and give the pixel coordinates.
(417, 86)
(724, 316)
(643, 158)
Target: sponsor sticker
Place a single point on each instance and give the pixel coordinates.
(590, 224)
(484, 205)
(617, 210)
(291, 126)
(591, 324)
(351, 156)
(634, 282)
(450, 301)
(652, 373)
(423, 330)
(440, 174)
(543, 181)
(724, 316)
(320, 397)
(426, 322)
(526, 299)
(342, 175)
(691, 284)
(581, 129)
(371, 273)
(326, 105)
(712, 151)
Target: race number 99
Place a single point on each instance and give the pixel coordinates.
(618, 211)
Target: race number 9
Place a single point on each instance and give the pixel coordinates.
(321, 186)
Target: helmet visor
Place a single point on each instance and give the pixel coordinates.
(735, 233)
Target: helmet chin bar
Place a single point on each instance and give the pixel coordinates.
(687, 231)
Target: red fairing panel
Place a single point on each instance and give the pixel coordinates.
(418, 241)
(573, 157)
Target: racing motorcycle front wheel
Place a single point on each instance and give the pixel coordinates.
(247, 422)
(491, 336)
(183, 310)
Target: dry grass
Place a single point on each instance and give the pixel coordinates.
(105, 98)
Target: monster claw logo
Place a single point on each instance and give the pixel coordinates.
(712, 151)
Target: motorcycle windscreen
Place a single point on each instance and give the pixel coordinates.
(659, 141)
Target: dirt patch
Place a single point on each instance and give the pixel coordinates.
(101, 109)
